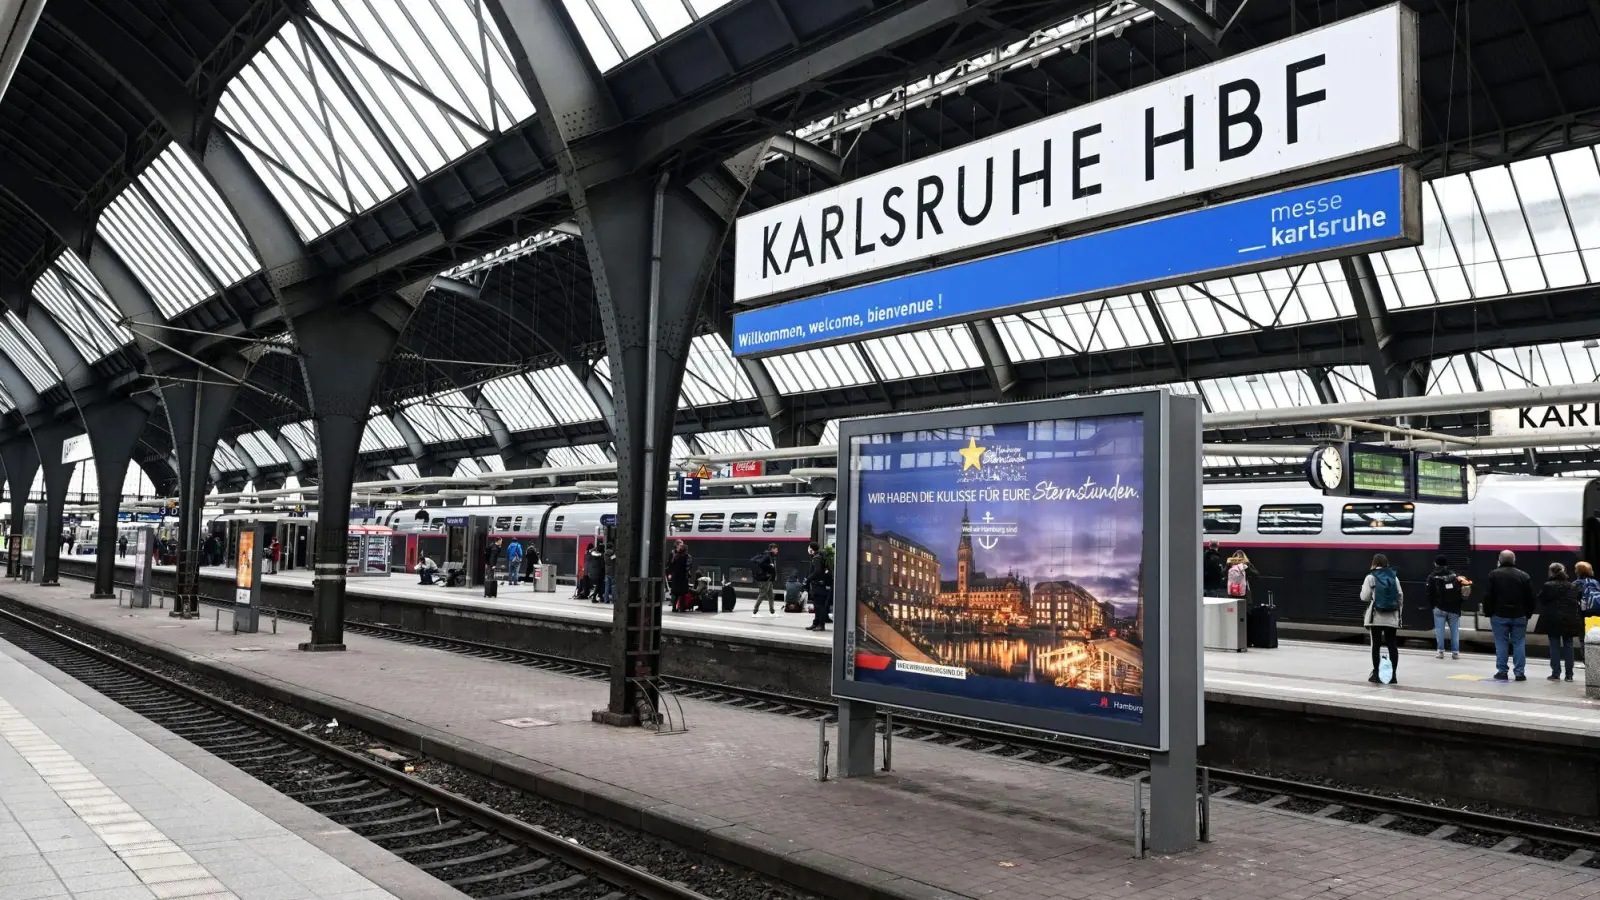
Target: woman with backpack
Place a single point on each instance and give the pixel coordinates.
(1241, 576)
(1560, 618)
(1381, 591)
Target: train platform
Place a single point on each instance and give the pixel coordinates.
(98, 803)
(1299, 675)
(947, 823)
(561, 605)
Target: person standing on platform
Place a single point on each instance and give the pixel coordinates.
(678, 576)
(1560, 618)
(514, 563)
(766, 573)
(274, 554)
(1381, 591)
(122, 546)
(1214, 571)
(819, 583)
(611, 574)
(1508, 602)
(1444, 595)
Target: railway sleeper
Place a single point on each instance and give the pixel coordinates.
(543, 890)
(527, 868)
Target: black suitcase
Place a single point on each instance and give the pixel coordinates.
(1261, 627)
(706, 600)
(729, 598)
(491, 588)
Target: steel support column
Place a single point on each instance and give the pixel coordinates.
(114, 431)
(57, 478)
(197, 409)
(342, 355)
(996, 361)
(1391, 376)
(21, 460)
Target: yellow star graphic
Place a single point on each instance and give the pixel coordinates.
(972, 455)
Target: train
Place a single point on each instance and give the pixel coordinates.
(1312, 551)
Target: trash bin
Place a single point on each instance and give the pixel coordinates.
(543, 578)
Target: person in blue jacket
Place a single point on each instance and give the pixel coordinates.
(514, 563)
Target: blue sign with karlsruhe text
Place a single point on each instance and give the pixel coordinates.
(1364, 212)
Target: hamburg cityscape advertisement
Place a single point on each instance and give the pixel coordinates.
(1004, 563)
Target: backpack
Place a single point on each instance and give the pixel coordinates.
(1238, 581)
(1591, 594)
(1441, 586)
(1385, 590)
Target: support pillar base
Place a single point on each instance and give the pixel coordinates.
(97, 596)
(312, 647)
(618, 720)
(180, 614)
(857, 729)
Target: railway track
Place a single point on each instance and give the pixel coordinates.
(1474, 827)
(477, 850)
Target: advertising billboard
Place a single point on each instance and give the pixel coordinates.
(1007, 564)
(1333, 99)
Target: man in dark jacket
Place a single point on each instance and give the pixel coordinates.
(766, 573)
(678, 576)
(1214, 570)
(1444, 595)
(1508, 602)
(819, 584)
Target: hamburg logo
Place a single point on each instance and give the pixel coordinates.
(1105, 702)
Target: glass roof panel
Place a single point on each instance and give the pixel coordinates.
(1452, 375)
(436, 76)
(448, 416)
(198, 213)
(1352, 384)
(305, 138)
(19, 345)
(491, 463)
(1568, 363)
(1458, 203)
(680, 447)
(576, 455)
(302, 436)
(1111, 323)
(80, 306)
(467, 467)
(512, 396)
(1508, 228)
(614, 30)
(403, 471)
(737, 440)
(830, 433)
(1269, 390)
(1579, 180)
(225, 459)
(948, 349)
(132, 227)
(567, 399)
(712, 376)
(262, 448)
(1553, 240)
(380, 433)
(818, 370)
(6, 403)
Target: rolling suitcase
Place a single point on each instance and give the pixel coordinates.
(1261, 627)
(491, 588)
(706, 600)
(729, 598)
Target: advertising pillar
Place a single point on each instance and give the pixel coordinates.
(253, 540)
(1033, 565)
(144, 551)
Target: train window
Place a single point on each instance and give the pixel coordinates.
(557, 526)
(1302, 518)
(711, 521)
(1378, 518)
(769, 522)
(502, 523)
(791, 521)
(742, 523)
(516, 524)
(1223, 519)
(682, 523)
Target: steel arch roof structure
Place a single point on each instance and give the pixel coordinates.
(399, 143)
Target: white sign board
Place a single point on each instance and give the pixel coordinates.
(76, 449)
(1556, 417)
(1332, 99)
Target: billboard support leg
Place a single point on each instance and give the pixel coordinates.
(1174, 816)
(857, 734)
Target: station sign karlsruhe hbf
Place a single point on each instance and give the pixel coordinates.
(1338, 99)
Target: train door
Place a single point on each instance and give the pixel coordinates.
(1455, 545)
(1591, 520)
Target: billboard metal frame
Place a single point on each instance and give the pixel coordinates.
(1172, 726)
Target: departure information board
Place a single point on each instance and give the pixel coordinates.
(1382, 472)
(1443, 479)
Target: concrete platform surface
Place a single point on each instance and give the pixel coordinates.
(946, 823)
(97, 803)
(1450, 694)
